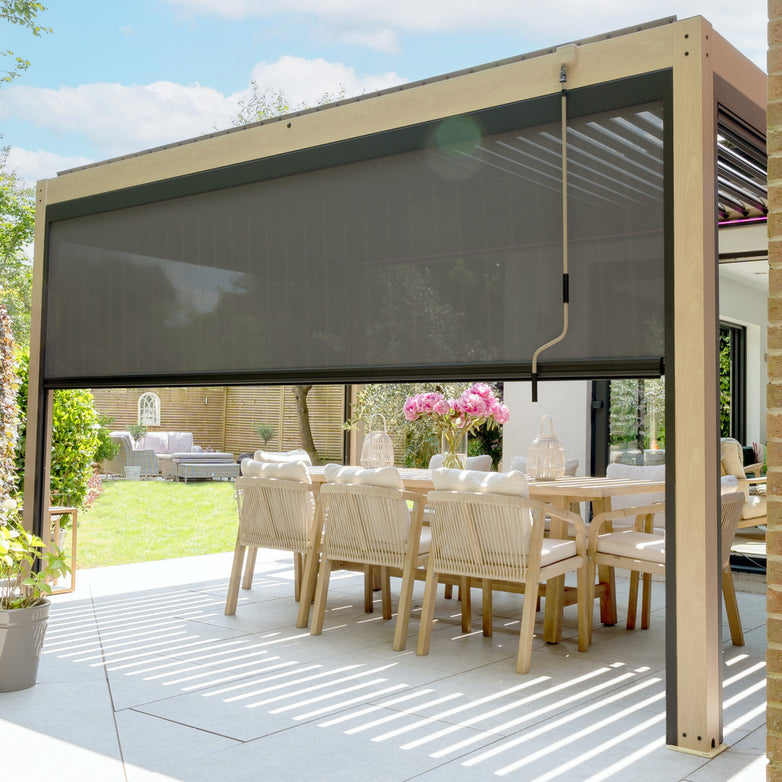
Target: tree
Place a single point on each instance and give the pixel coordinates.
(17, 225)
(75, 440)
(260, 105)
(418, 440)
(9, 420)
(23, 13)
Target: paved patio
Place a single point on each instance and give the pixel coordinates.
(144, 678)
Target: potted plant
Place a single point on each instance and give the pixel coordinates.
(265, 432)
(24, 603)
(137, 431)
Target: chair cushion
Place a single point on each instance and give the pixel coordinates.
(513, 483)
(755, 507)
(297, 455)
(386, 477)
(647, 472)
(283, 471)
(520, 463)
(732, 457)
(555, 550)
(481, 462)
(425, 541)
(180, 442)
(728, 484)
(629, 543)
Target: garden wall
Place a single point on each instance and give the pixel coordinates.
(224, 418)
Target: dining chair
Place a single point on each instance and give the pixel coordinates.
(253, 467)
(485, 527)
(276, 505)
(482, 462)
(366, 521)
(641, 550)
(754, 512)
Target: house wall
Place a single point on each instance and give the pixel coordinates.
(568, 405)
(746, 305)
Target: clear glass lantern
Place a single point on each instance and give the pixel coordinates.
(377, 450)
(546, 460)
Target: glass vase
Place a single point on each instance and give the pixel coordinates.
(453, 447)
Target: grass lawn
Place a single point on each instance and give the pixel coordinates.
(140, 521)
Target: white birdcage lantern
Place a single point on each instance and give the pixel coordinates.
(546, 459)
(377, 450)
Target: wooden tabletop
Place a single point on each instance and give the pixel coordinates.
(578, 488)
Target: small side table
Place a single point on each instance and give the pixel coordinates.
(56, 513)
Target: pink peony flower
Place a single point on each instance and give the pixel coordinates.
(441, 407)
(482, 390)
(474, 405)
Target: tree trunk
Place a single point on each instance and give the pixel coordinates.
(305, 431)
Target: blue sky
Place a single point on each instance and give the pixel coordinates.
(120, 76)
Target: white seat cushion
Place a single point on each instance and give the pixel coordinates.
(386, 477)
(481, 462)
(648, 472)
(296, 455)
(629, 543)
(513, 483)
(283, 471)
(555, 550)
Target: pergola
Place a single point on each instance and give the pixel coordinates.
(418, 233)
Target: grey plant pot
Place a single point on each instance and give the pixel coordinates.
(21, 639)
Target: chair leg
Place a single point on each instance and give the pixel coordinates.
(321, 593)
(405, 604)
(632, 600)
(585, 609)
(487, 608)
(466, 598)
(297, 575)
(385, 592)
(249, 568)
(646, 601)
(590, 580)
(427, 613)
(527, 629)
(309, 579)
(608, 600)
(233, 582)
(369, 585)
(448, 593)
(732, 608)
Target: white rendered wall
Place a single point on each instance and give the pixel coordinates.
(568, 405)
(747, 305)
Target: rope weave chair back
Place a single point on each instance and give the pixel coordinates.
(365, 524)
(275, 513)
(483, 535)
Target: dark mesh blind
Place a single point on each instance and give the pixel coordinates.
(445, 255)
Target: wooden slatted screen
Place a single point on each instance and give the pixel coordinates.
(224, 418)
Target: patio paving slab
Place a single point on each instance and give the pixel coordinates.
(144, 678)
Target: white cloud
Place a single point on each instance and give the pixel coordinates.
(31, 165)
(305, 81)
(549, 23)
(117, 119)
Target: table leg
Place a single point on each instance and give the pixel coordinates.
(605, 574)
(555, 587)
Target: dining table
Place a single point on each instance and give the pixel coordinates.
(566, 493)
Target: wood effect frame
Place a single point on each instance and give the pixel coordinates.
(694, 54)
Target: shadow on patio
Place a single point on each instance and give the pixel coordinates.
(143, 677)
